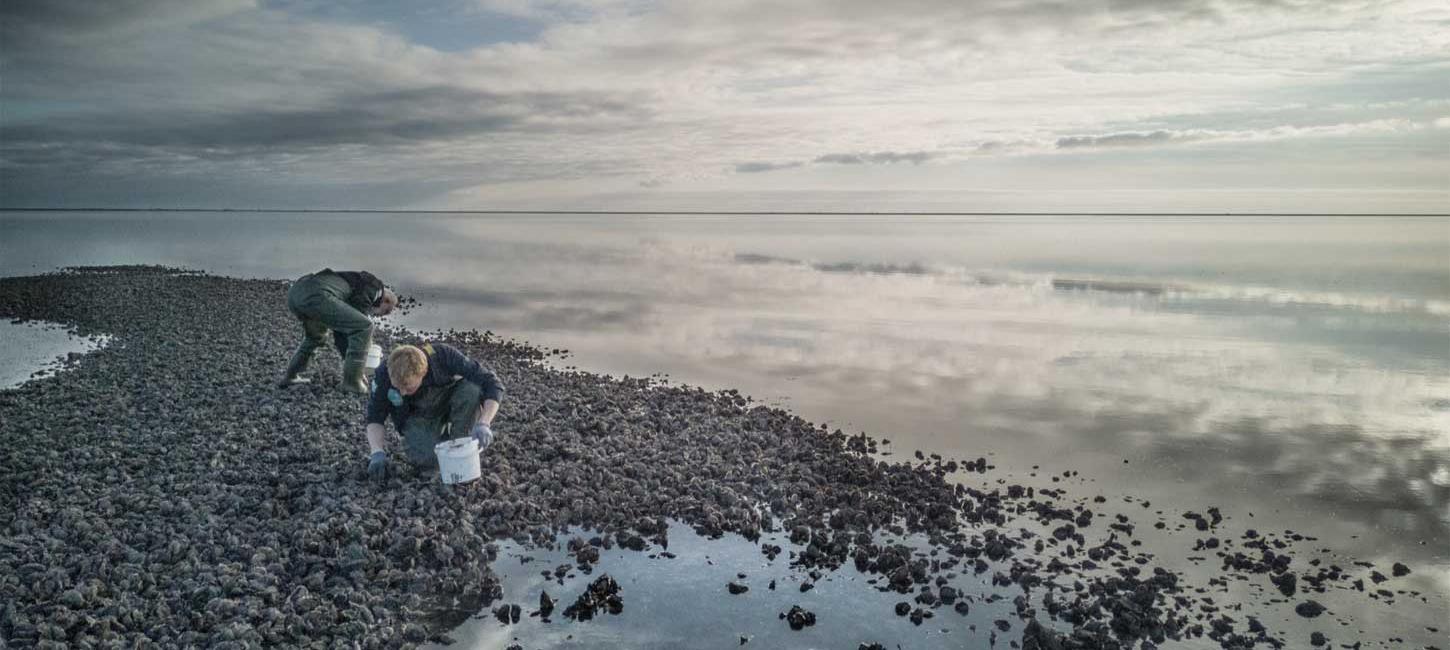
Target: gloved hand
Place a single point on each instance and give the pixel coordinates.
(378, 466)
(483, 434)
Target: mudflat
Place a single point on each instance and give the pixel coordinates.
(161, 491)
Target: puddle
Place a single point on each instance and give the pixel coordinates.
(35, 349)
(683, 601)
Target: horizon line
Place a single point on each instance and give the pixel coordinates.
(934, 213)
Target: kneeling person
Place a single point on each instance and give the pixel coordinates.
(433, 393)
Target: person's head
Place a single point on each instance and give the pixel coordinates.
(386, 303)
(406, 367)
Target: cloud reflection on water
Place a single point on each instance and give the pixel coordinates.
(1306, 361)
(1203, 397)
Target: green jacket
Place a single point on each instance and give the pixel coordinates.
(367, 289)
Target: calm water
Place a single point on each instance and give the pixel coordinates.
(1292, 370)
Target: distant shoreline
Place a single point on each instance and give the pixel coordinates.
(755, 212)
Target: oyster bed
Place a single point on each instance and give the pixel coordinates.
(162, 492)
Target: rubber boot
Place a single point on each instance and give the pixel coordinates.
(352, 375)
(293, 375)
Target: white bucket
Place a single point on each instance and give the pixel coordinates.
(458, 460)
(375, 356)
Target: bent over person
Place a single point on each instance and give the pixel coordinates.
(433, 393)
(339, 301)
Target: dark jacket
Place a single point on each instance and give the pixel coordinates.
(367, 289)
(444, 364)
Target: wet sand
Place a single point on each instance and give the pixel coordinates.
(162, 490)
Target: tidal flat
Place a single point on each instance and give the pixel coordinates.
(160, 492)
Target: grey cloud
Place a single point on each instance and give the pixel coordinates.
(879, 158)
(757, 258)
(141, 188)
(872, 268)
(23, 21)
(868, 268)
(149, 89)
(746, 32)
(389, 117)
(363, 150)
(758, 167)
(86, 97)
(1124, 140)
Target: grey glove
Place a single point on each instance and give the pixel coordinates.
(483, 434)
(378, 466)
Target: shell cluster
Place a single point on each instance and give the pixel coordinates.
(162, 493)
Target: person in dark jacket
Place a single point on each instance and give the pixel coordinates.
(340, 301)
(433, 393)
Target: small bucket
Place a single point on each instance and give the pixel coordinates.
(458, 460)
(375, 356)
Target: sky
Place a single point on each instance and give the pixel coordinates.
(915, 105)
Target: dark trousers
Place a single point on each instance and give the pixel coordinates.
(439, 413)
(319, 302)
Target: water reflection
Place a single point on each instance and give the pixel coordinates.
(681, 601)
(36, 348)
(1290, 365)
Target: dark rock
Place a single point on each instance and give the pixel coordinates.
(1309, 609)
(1286, 583)
(798, 618)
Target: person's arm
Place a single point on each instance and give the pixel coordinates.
(379, 408)
(489, 410)
(453, 362)
(375, 438)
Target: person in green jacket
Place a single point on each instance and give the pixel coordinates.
(340, 301)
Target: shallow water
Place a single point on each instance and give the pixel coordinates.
(36, 349)
(1294, 372)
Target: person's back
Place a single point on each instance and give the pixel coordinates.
(340, 302)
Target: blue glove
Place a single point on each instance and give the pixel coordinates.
(378, 465)
(483, 434)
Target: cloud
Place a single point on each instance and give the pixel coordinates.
(1121, 140)
(23, 22)
(703, 95)
(879, 158)
(354, 117)
(758, 167)
(1023, 365)
(1371, 127)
